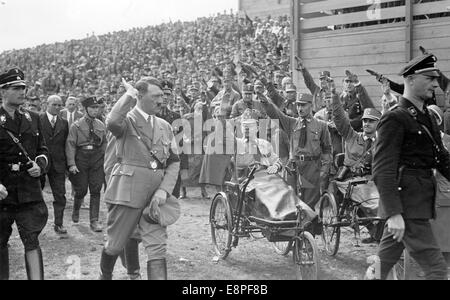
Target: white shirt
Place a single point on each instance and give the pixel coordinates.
(50, 117)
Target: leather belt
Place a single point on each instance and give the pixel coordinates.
(152, 165)
(418, 172)
(305, 158)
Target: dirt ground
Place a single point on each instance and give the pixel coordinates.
(190, 251)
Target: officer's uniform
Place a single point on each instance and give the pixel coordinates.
(135, 179)
(313, 158)
(85, 149)
(24, 204)
(403, 161)
(241, 106)
(319, 94)
(170, 117)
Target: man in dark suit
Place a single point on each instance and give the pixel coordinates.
(55, 130)
(409, 147)
(70, 113)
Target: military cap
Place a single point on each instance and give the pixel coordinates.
(101, 101)
(167, 214)
(425, 65)
(258, 83)
(89, 102)
(167, 85)
(13, 77)
(324, 74)
(372, 114)
(291, 88)
(304, 99)
(248, 89)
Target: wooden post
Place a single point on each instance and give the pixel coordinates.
(295, 39)
(409, 28)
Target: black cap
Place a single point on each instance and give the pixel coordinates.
(425, 65)
(90, 101)
(13, 77)
(167, 85)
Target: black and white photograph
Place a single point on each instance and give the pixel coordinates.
(251, 141)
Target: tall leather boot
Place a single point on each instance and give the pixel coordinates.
(76, 210)
(34, 265)
(107, 263)
(157, 269)
(4, 263)
(132, 259)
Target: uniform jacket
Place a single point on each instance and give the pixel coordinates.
(318, 136)
(241, 106)
(56, 142)
(355, 103)
(317, 92)
(402, 142)
(225, 100)
(30, 135)
(79, 137)
(354, 141)
(289, 109)
(132, 181)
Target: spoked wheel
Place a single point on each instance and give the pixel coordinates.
(306, 257)
(221, 220)
(282, 248)
(331, 235)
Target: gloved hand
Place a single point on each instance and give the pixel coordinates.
(377, 75)
(3, 192)
(35, 171)
(131, 91)
(273, 170)
(300, 65)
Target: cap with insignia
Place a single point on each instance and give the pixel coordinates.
(371, 114)
(12, 78)
(324, 74)
(291, 88)
(304, 99)
(90, 102)
(425, 65)
(167, 85)
(248, 89)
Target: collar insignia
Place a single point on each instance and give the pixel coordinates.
(2, 120)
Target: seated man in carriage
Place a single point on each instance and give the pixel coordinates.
(357, 165)
(270, 197)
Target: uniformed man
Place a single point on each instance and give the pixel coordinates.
(85, 150)
(143, 179)
(310, 146)
(23, 159)
(409, 147)
(170, 117)
(246, 103)
(359, 148)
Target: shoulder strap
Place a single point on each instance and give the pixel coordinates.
(145, 144)
(18, 143)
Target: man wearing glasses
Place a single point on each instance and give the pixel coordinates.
(23, 159)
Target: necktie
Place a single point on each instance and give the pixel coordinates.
(70, 118)
(303, 134)
(53, 121)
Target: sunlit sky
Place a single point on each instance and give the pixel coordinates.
(27, 23)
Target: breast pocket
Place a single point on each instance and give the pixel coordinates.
(121, 184)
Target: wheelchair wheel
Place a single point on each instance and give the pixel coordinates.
(221, 220)
(282, 248)
(306, 257)
(331, 234)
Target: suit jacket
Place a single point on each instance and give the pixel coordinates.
(29, 132)
(56, 142)
(65, 115)
(133, 181)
